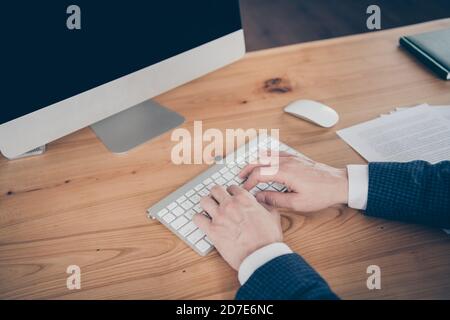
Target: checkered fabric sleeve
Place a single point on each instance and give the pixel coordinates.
(287, 277)
(416, 192)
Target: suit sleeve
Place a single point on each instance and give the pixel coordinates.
(287, 277)
(415, 192)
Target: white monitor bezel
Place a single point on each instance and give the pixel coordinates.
(62, 118)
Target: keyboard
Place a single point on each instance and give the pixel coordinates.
(177, 209)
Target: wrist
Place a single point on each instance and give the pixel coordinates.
(255, 248)
(342, 187)
(260, 257)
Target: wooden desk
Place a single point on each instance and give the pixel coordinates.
(80, 204)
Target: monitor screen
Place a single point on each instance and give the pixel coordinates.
(44, 62)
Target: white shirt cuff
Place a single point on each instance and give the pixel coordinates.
(358, 186)
(259, 258)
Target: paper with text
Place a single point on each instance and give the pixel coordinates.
(416, 133)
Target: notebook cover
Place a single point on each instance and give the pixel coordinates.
(432, 48)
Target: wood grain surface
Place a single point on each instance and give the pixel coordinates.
(81, 205)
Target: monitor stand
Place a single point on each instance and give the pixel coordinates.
(136, 125)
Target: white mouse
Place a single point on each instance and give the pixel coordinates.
(314, 112)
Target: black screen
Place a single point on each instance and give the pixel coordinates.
(44, 62)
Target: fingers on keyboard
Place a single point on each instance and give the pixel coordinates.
(180, 212)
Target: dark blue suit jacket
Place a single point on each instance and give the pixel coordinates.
(415, 192)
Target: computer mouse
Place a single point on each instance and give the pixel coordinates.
(313, 111)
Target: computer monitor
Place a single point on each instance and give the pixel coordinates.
(61, 75)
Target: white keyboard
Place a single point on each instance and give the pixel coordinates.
(177, 209)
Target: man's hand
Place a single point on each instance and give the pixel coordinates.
(312, 186)
(239, 225)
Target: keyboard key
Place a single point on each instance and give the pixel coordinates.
(172, 206)
(190, 214)
(204, 192)
(208, 240)
(186, 229)
(262, 186)
(169, 218)
(215, 175)
(178, 211)
(199, 187)
(221, 181)
(162, 212)
(178, 223)
(181, 199)
(195, 199)
(223, 170)
(187, 205)
(228, 176)
(239, 180)
(198, 208)
(195, 236)
(210, 186)
(207, 181)
(202, 246)
(232, 183)
(254, 191)
(235, 170)
(278, 186)
(190, 193)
